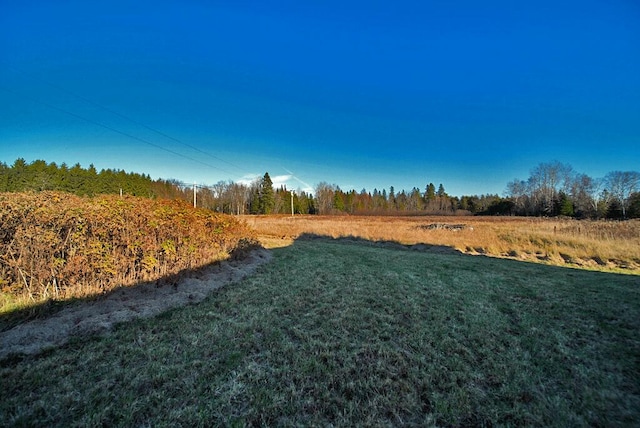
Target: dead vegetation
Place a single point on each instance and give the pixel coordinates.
(599, 245)
(59, 246)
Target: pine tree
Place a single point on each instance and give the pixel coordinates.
(430, 193)
(338, 200)
(254, 198)
(39, 178)
(267, 197)
(565, 205)
(4, 177)
(18, 177)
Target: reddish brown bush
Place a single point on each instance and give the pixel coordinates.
(56, 245)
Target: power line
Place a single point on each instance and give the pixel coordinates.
(297, 179)
(89, 101)
(113, 129)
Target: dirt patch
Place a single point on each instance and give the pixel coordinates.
(444, 226)
(144, 301)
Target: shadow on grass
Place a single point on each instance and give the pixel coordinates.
(48, 308)
(54, 322)
(347, 332)
(440, 249)
(448, 250)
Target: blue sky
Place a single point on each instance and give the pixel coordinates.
(361, 94)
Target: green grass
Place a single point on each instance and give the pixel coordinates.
(339, 332)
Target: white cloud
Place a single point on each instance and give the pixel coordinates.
(247, 179)
(279, 180)
(307, 187)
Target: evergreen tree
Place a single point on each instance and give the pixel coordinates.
(61, 176)
(634, 205)
(565, 205)
(305, 203)
(338, 200)
(39, 176)
(254, 198)
(350, 201)
(401, 201)
(75, 181)
(40, 179)
(443, 202)
(430, 193)
(614, 210)
(18, 176)
(267, 195)
(415, 200)
(4, 177)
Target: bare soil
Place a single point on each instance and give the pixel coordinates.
(143, 301)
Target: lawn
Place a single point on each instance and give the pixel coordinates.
(351, 332)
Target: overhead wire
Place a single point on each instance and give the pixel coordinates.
(297, 179)
(94, 122)
(89, 101)
(126, 134)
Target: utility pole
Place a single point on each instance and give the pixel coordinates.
(194, 194)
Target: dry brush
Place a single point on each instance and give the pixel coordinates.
(57, 245)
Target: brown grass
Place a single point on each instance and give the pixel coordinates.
(598, 245)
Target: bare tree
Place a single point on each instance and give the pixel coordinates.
(324, 196)
(621, 184)
(517, 191)
(597, 196)
(218, 192)
(545, 182)
(583, 194)
(278, 201)
(206, 198)
(238, 196)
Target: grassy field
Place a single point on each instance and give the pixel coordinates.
(610, 246)
(351, 332)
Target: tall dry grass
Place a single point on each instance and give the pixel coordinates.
(602, 245)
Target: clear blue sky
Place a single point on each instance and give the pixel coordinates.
(471, 94)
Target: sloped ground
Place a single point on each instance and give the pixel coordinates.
(143, 301)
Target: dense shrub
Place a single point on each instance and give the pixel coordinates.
(57, 245)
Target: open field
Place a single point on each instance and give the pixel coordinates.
(351, 332)
(598, 245)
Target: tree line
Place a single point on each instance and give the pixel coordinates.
(552, 189)
(40, 176)
(258, 197)
(555, 188)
